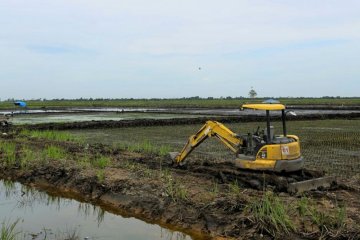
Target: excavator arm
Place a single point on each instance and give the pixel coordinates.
(210, 129)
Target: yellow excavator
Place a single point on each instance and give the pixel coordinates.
(259, 151)
(262, 150)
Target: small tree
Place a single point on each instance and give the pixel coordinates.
(252, 93)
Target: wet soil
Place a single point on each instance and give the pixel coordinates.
(196, 199)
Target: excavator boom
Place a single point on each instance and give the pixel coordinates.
(209, 129)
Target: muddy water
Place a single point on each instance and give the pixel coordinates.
(42, 216)
(80, 117)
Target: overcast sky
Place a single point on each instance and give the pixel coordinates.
(169, 48)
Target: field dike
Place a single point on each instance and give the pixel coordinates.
(207, 200)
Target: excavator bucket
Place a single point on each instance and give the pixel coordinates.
(312, 184)
(173, 155)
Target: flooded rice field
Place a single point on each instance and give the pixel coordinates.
(44, 216)
(83, 117)
(118, 114)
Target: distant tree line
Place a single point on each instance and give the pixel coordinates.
(183, 98)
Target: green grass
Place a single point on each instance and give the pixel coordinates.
(173, 188)
(27, 156)
(54, 153)
(84, 161)
(163, 150)
(324, 220)
(226, 102)
(100, 174)
(50, 135)
(271, 214)
(8, 150)
(145, 146)
(8, 230)
(276, 217)
(101, 162)
(234, 188)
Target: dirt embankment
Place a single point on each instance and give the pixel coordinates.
(207, 200)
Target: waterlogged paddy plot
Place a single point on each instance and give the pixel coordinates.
(43, 216)
(81, 117)
(331, 145)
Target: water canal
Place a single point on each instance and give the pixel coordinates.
(40, 215)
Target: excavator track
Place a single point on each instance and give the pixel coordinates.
(225, 172)
(292, 182)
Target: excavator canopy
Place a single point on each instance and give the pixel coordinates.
(264, 106)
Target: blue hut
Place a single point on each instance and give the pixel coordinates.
(20, 104)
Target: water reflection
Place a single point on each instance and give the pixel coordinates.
(171, 235)
(46, 216)
(87, 210)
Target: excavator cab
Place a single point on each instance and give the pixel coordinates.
(260, 137)
(272, 152)
(261, 150)
(268, 132)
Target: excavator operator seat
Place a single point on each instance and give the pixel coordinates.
(251, 144)
(272, 133)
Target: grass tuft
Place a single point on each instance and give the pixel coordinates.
(271, 215)
(8, 149)
(84, 161)
(54, 153)
(50, 135)
(234, 187)
(100, 174)
(174, 189)
(8, 230)
(101, 162)
(324, 220)
(27, 156)
(146, 146)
